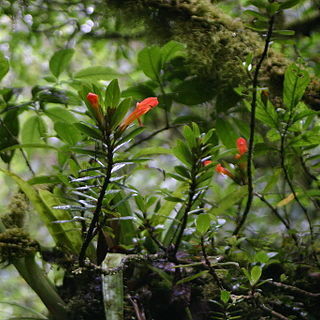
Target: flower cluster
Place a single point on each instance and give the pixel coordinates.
(242, 150)
(141, 108)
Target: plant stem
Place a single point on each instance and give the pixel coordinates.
(277, 214)
(289, 182)
(190, 201)
(252, 128)
(208, 263)
(92, 231)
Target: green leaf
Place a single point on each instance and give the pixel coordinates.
(112, 94)
(183, 153)
(96, 73)
(224, 296)
(261, 257)
(60, 114)
(174, 199)
(190, 137)
(296, 81)
(171, 50)
(60, 60)
(131, 135)
(273, 180)
(88, 131)
(192, 277)
(289, 4)
(152, 150)
(42, 200)
(283, 32)
(183, 171)
(4, 66)
(194, 91)
(68, 133)
(149, 60)
(226, 133)
(229, 200)
(255, 275)
(32, 131)
(256, 15)
(203, 223)
(121, 111)
(138, 92)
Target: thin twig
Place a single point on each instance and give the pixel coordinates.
(150, 230)
(294, 289)
(277, 214)
(252, 128)
(149, 137)
(138, 311)
(289, 182)
(210, 267)
(272, 312)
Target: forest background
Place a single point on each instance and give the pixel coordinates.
(220, 183)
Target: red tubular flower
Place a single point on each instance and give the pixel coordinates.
(206, 162)
(220, 169)
(96, 108)
(242, 147)
(142, 107)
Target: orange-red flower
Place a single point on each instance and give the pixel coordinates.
(220, 169)
(242, 147)
(142, 107)
(206, 162)
(96, 108)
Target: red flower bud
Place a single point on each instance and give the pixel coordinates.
(242, 146)
(206, 162)
(93, 99)
(220, 169)
(96, 109)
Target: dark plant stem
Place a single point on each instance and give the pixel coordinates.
(307, 171)
(294, 289)
(150, 230)
(288, 180)
(252, 129)
(210, 267)
(272, 312)
(92, 231)
(190, 202)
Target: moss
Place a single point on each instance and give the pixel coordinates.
(18, 207)
(216, 43)
(15, 243)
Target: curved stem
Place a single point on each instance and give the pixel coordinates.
(252, 128)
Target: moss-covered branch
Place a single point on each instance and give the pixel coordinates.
(216, 43)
